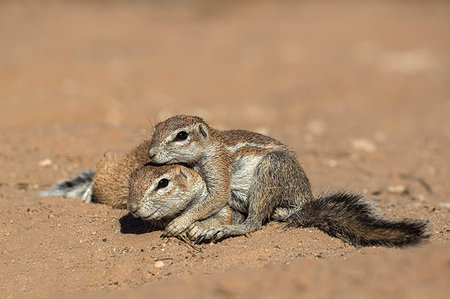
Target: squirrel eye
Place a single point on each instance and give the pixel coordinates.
(182, 135)
(163, 183)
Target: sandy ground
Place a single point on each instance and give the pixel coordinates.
(360, 90)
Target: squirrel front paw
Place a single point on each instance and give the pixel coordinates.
(176, 227)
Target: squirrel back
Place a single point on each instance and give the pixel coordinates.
(112, 174)
(107, 183)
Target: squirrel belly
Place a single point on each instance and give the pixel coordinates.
(353, 219)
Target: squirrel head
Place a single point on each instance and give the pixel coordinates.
(164, 191)
(179, 139)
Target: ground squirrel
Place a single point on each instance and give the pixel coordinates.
(262, 178)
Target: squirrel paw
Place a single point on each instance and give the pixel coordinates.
(213, 234)
(196, 229)
(176, 227)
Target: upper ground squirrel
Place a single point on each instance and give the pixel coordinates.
(262, 178)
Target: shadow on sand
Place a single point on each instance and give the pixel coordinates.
(131, 225)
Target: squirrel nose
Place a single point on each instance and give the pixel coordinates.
(151, 154)
(133, 207)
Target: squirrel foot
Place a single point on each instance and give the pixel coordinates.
(224, 231)
(88, 194)
(214, 234)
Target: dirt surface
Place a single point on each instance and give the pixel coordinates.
(360, 90)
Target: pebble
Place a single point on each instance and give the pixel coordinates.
(399, 189)
(365, 145)
(159, 264)
(332, 163)
(45, 163)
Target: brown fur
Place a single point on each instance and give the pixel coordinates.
(112, 174)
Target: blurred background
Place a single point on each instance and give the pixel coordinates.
(255, 63)
(319, 75)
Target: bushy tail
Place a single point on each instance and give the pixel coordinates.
(353, 219)
(79, 187)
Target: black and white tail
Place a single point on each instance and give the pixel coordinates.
(79, 187)
(353, 219)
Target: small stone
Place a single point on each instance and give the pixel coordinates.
(420, 197)
(332, 163)
(363, 144)
(45, 163)
(399, 189)
(159, 264)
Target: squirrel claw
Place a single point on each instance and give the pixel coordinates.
(199, 239)
(217, 236)
(212, 234)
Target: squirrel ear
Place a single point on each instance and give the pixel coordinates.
(203, 130)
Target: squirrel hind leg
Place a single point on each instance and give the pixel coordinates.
(279, 184)
(88, 195)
